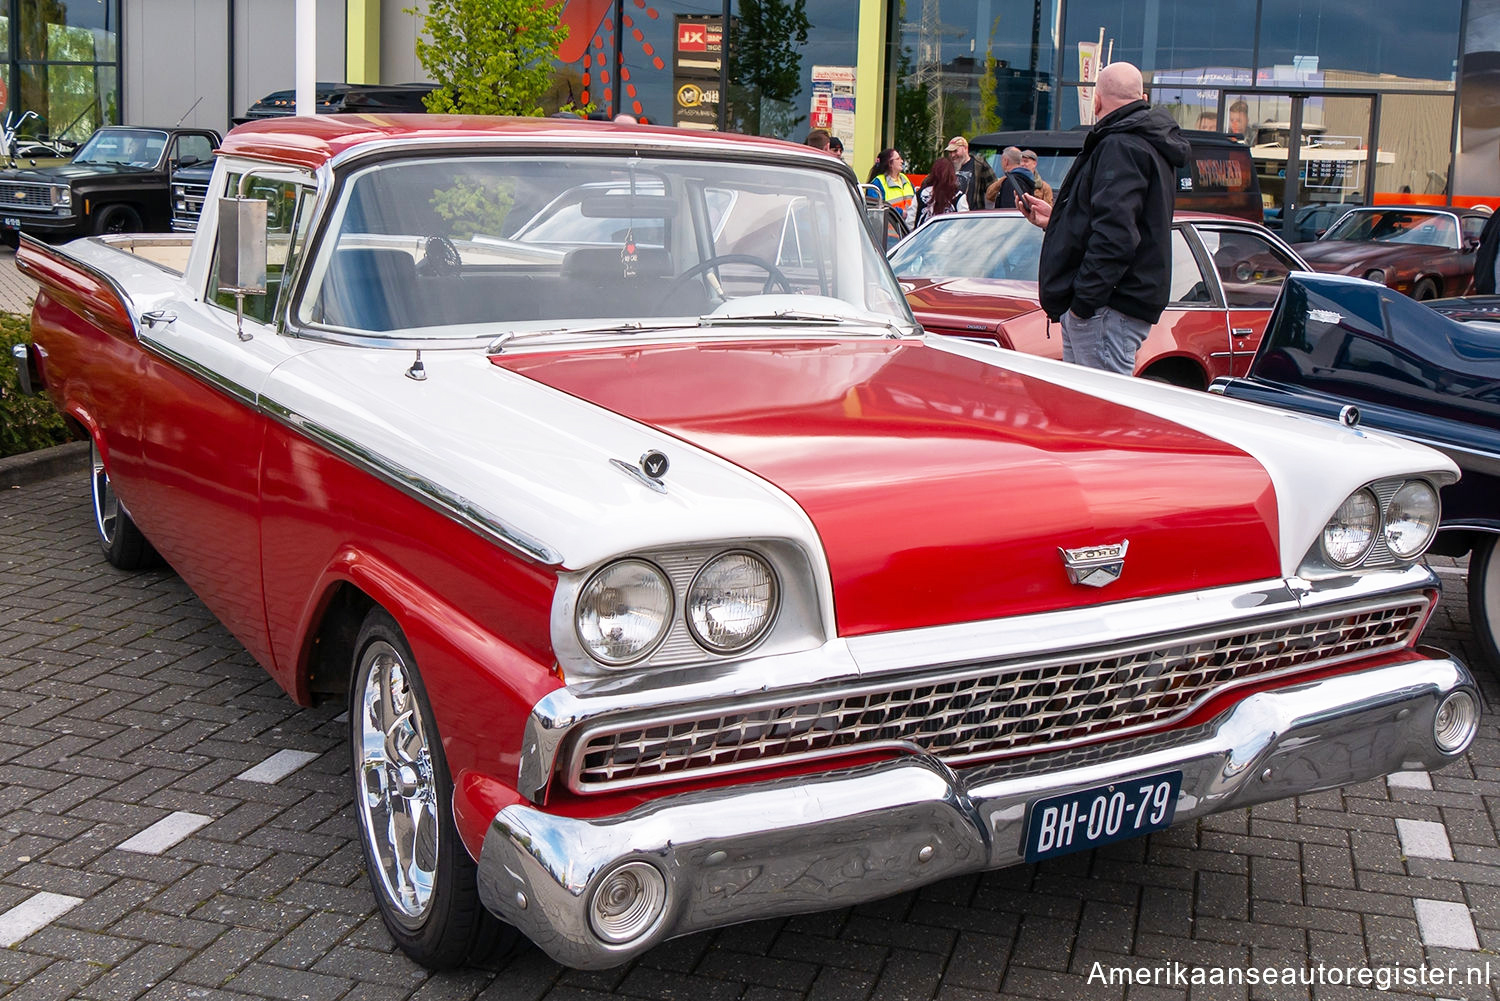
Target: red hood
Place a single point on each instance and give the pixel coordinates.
(942, 487)
(1356, 256)
(959, 305)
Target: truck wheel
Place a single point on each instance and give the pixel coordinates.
(124, 545)
(1484, 597)
(424, 881)
(117, 219)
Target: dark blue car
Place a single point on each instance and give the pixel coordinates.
(1429, 372)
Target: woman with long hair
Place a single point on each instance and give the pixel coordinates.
(894, 185)
(940, 192)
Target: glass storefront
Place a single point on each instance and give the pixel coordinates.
(1338, 102)
(61, 61)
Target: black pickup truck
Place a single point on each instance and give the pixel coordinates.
(119, 181)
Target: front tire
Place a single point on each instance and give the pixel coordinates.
(1484, 597)
(1424, 290)
(123, 543)
(117, 219)
(425, 884)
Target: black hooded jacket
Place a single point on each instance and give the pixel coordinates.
(1108, 242)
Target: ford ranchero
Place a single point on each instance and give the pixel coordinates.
(672, 576)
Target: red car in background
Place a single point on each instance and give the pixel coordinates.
(974, 275)
(1426, 253)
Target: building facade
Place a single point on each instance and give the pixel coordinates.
(1342, 100)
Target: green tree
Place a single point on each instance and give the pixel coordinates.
(766, 64)
(913, 118)
(489, 57)
(989, 101)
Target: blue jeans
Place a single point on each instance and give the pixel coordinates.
(1106, 340)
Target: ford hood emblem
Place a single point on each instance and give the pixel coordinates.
(1095, 566)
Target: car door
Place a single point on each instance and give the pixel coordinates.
(1189, 341)
(201, 449)
(1250, 266)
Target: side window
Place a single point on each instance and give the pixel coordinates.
(1251, 268)
(1473, 226)
(1188, 284)
(197, 147)
(286, 231)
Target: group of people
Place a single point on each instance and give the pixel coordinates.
(958, 182)
(1105, 267)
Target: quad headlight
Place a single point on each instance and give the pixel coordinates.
(624, 611)
(1401, 514)
(1411, 518)
(731, 602)
(1350, 533)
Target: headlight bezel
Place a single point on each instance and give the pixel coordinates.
(1362, 495)
(1378, 555)
(800, 621)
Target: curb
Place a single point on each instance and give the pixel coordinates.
(29, 467)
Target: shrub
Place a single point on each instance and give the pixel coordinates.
(26, 422)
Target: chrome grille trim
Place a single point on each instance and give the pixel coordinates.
(26, 196)
(989, 710)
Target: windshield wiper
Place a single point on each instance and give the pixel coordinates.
(497, 346)
(803, 317)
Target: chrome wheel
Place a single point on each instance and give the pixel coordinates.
(106, 505)
(398, 801)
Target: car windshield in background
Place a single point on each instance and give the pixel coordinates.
(971, 246)
(123, 147)
(476, 247)
(1429, 229)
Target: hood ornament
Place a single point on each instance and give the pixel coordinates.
(1095, 566)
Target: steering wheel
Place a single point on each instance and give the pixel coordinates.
(774, 275)
(439, 257)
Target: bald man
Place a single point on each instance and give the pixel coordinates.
(1106, 261)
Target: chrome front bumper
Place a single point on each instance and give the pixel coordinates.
(824, 841)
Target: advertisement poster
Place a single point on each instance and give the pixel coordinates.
(833, 103)
(697, 54)
(1088, 72)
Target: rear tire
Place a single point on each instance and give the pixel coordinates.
(123, 543)
(425, 884)
(117, 219)
(1424, 290)
(1484, 597)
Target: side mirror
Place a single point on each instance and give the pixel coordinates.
(242, 253)
(188, 160)
(242, 246)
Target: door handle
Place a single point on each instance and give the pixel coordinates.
(156, 316)
(1242, 331)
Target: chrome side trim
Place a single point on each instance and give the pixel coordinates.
(202, 372)
(415, 485)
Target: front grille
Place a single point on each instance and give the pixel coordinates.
(187, 204)
(25, 196)
(990, 710)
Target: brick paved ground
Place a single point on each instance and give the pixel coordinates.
(124, 706)
(16, 290)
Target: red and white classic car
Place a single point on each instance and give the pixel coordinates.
(673, 577)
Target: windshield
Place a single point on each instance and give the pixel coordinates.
(1422, 228)
(465, 247)
(971, 246)
(124, 147)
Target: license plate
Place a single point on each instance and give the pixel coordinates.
(1101, 815)
(11, 222)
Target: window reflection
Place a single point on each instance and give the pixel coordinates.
(1342, 43)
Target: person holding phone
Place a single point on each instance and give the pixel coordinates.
(1106, 261)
